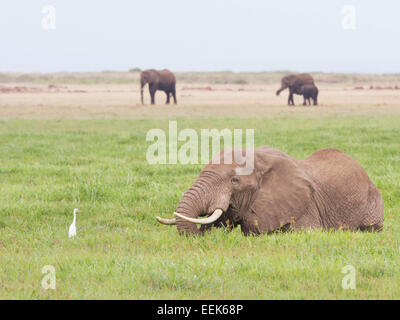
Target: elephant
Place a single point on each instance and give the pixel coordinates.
(309, 91)
(158, 80)
(328, 190)
(294, 83)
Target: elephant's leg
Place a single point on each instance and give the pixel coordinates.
(304, 100)
(174, 95)
(290, 99)
(167, 93)
(152, 89)
(315, 101)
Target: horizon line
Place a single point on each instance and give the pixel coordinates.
(204, 71)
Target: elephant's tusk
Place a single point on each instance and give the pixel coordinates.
(216, 214)
(168, 222)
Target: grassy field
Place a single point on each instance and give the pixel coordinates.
(49, 167)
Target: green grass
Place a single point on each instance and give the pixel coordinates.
(47, 168)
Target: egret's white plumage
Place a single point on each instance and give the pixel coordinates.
(72, 227)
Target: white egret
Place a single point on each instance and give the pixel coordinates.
(72, 227)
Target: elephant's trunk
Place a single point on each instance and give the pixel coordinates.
(280, 90)
(203, 197)
(142, 84)
(191, 205)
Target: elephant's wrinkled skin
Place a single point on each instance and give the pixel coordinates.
(158, 80)
(294, 82)
(327, 190)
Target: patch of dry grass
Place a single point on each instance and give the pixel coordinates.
(123, 101)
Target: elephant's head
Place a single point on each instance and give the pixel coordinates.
(287, 82)
(277, 187)
(147, 76)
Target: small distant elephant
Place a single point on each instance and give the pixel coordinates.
(327, 190)
(163, 80)
(294, 82)
(309, 91)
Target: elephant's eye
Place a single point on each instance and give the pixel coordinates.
(235, 180)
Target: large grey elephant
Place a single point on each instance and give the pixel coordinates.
(327, 190)
(294, 82)
(158, 80)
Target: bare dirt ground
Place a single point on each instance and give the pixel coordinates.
(80, 101)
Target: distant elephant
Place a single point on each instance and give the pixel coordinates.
(327, 190)
(309, 91)
(158, 80)
(294, 83)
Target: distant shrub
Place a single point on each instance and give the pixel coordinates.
(219, 81)
(25, 78)
(136, 69)
(240, 81)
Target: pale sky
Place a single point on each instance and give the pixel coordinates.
(201, 35)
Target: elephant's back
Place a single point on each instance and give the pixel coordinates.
(333, 166)
(167, 74)
(306, 78)
(347, 186)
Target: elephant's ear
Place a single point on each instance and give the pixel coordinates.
(143, 77)
(285, 191)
